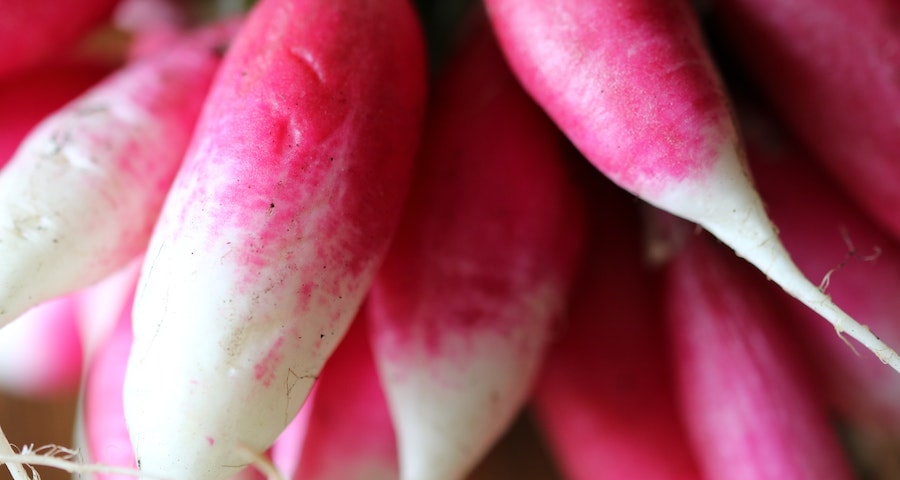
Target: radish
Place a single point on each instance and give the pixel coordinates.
(349, 435)
(468, 297)
(286, 450)
(104, 436)
(80, 196)
(29, 97)
(40, 353)
(605, 400)
(820, 226)
(100, 306)
(830, 69)
(746, 397)
(32, 30)
(106, 439)
(273, 230)
(631, 84)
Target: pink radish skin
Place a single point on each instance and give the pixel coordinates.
(631, 85)
(28, 98)
(105, 433)
(478, 274)
(33, 30)
(349, 435)
(815, 223)
(271, 235)
(100, 306)
(80, 196)
(830, 69)
(40, 353)
(604, 402)
(746, 398)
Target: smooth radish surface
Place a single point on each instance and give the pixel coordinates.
(349, 435)
(286, 450)
(40, 352)
(829, 236)
(273, 230)
(100, 306)
(104, 440)
(479, 271)
(745, 396)
(105, 435)
(79, 197)
(605, 401)
(632, 86)
(30, 96)
(830, 69)
(32, 30)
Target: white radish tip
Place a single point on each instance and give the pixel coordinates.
(727, 205)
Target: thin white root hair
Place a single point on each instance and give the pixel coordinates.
(71, 466)
(54, 456)
(848, 342)
(757, 243)
(851, 252)
(16, 469)
(261, 463)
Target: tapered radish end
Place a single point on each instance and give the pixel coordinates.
(449, 414)
(726, 204)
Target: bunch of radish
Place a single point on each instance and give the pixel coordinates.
(268, 242)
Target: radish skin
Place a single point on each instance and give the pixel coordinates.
(79, 197)
(829, 68)
(478, 274)
(287, 447)
(746, 398)
(349, 435)
(40, 352)
(631, 85)
(816, 223)
(33, 30)
(270, 237)
(604, 402)
(100, 306)
(28, 98)
(106, 438)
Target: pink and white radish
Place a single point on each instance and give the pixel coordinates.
(40, 352)
(605, 400)
(349, 435)
(105, 436)
(829, 237)
(631, 84)
(286, 450)
(745, 396)
(468, 297)
(830, 70)
(32, 30)
(100, 306)
(79, 198)
(102, 433)
(28, 98)
(273, 230)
